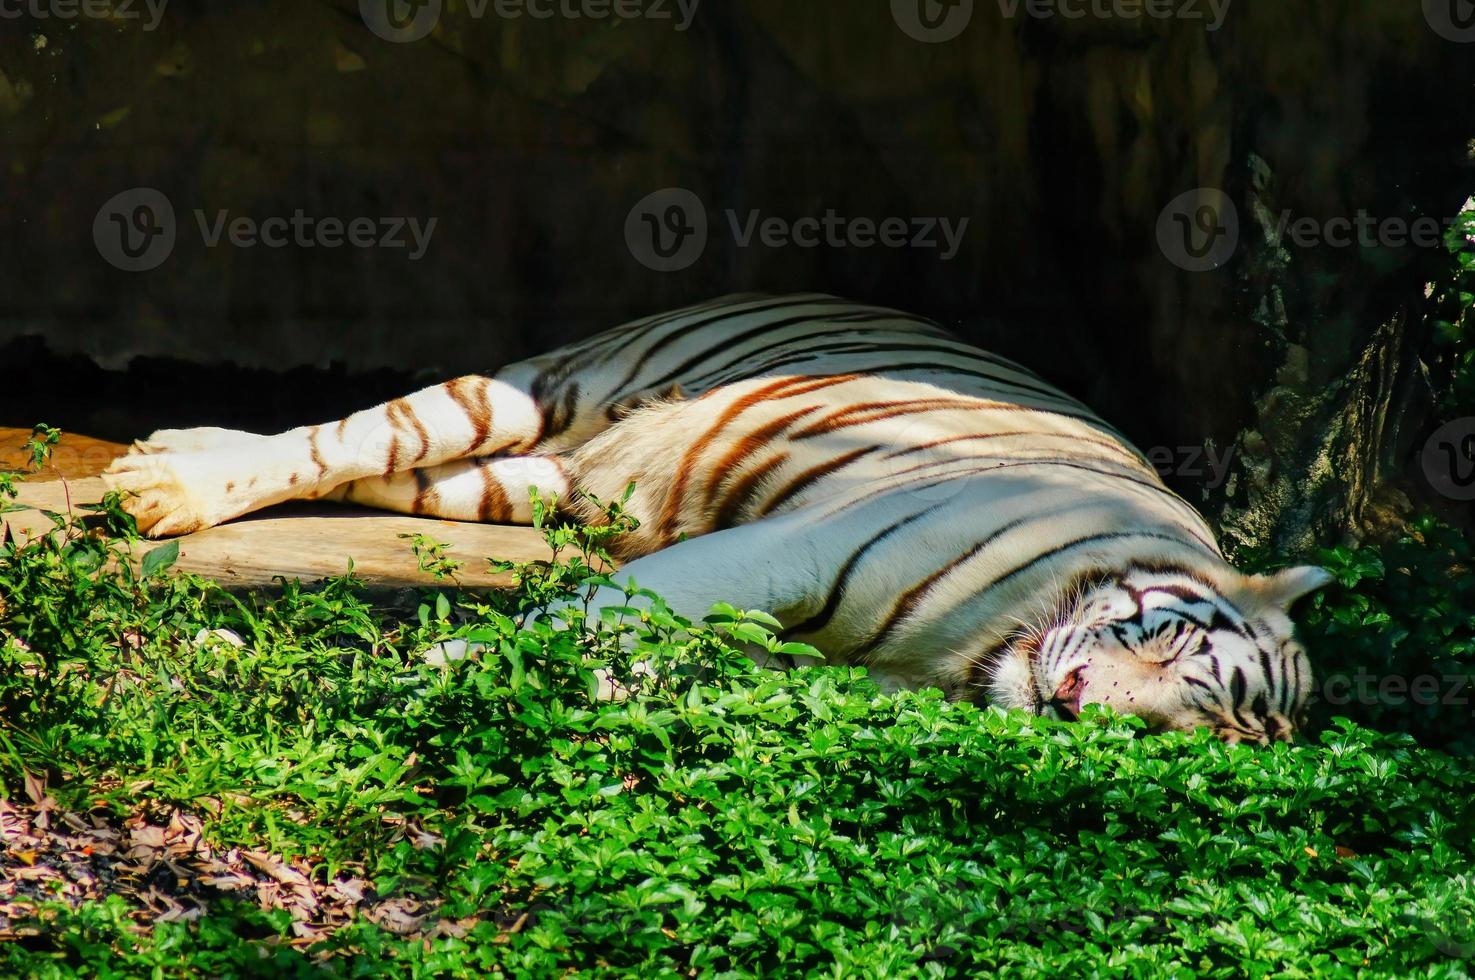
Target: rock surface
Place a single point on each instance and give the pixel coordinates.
(1061, 139)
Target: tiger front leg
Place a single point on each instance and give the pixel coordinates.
(771, 566)
(490, 491)
(177, 492)
(192, 440)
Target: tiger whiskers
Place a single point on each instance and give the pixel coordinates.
(1012, 671)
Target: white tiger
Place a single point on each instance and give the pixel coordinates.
(893, 496)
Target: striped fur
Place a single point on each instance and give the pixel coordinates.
(895, 497)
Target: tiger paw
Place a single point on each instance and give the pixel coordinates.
(192, 440)
(177, 493)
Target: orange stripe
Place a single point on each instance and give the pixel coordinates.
(803, 481)
(782, 388)
(494, 503)
(749, 445)
(393, 465)
(854, 415)
(399, 411)
(474, 404)
(312, 446)
(743, 491)
(424, 491)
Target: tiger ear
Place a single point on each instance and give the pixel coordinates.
(1285, 587)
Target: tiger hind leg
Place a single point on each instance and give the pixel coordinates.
(178, 482)
(494, 490)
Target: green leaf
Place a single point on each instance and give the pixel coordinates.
(160, 559)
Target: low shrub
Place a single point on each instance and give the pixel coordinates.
(492, 815)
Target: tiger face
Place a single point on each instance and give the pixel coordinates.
(1173, 650)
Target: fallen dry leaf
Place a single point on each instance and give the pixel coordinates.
(160, 861)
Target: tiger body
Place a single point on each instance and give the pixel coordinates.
(895, 497)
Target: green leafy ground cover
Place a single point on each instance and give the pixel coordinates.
(493, 815)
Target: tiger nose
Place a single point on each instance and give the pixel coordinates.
(1072, 688)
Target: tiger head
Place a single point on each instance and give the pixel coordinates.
(1173, 650)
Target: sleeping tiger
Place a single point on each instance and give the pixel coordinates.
(895, 497)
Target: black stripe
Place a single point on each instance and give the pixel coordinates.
(968, 352)
(860, 347)
(1154, 487)
(901, 316)
(918, 484)
(840, 323)
(559, 413)
(1072, 545)
(1260, 707)
(620, 392)
(1292, 687)
(904, 611)
(1238, 688)
(1195, 682)
(1112, 445)
(1180, 592)
(583, 352)
(758, 331)
(1187, 595)
(1085, 415)
(812, 477)
(822, 618)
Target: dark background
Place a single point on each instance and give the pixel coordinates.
(529, 141)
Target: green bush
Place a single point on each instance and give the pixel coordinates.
(1394, 645)
(1451, 357)
(723, 820)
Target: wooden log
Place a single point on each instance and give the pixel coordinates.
(75, 456)
(307, 542)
